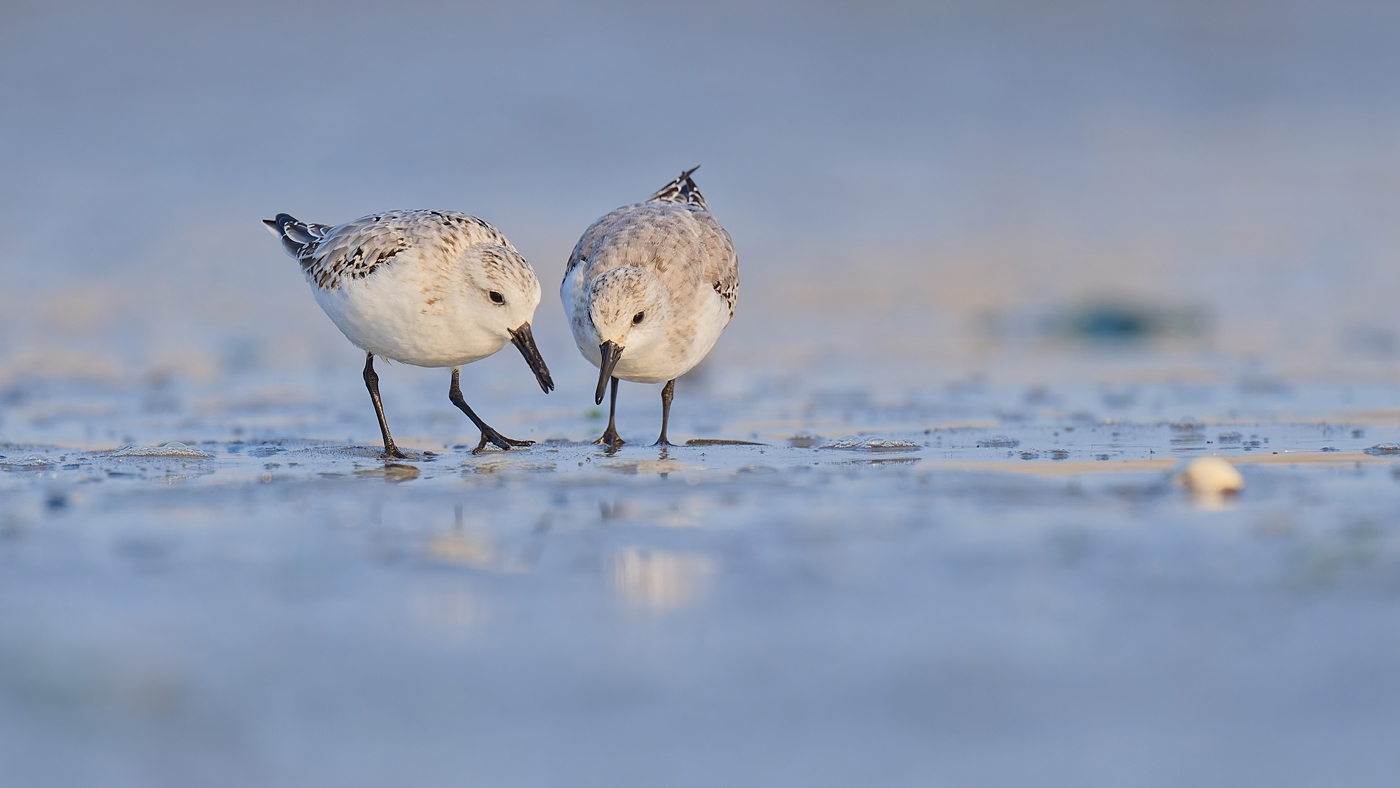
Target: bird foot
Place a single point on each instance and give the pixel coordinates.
(499, 441)
(610, 439)
(391, 452)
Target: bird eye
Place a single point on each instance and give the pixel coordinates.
(497, 297)
(638, 318)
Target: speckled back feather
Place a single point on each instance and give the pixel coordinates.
(354, 250)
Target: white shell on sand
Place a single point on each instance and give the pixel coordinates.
(1211, 476)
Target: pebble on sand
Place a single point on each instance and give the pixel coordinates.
(1211, 476)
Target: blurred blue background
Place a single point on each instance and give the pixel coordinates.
(960, 172)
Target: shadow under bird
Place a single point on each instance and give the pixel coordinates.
(648, 290)
(427, 288)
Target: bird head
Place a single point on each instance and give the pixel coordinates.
(508, 293)
(628, 308)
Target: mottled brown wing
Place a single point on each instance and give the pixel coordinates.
(355, 249)
(721, 263)
(596, 233)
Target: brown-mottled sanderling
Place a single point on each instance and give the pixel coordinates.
(428, 288)
(648, 290)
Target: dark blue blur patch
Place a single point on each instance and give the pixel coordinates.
(1113, 321)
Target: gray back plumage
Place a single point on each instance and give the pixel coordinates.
(673, 228)
(354, 250)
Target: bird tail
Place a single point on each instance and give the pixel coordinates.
(682, 190)
(295, 235)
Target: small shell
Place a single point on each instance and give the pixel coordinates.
(1211, 476)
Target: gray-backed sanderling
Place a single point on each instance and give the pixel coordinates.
(648, 290)
(428, 288)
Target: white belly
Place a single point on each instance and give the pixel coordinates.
(389, 315)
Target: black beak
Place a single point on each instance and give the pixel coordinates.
(611, 353)
(523, 339)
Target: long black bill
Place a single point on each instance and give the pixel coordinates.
(523, 339)
(611, 353)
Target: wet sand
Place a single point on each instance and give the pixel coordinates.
(916, 604)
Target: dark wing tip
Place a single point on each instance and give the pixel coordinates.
(280, 221)
(292, 232)
(682, 191)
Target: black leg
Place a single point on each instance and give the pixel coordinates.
(667, 394)
(487, 434)
(372, 383)
(610, 437)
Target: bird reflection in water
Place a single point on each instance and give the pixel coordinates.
(658, 581)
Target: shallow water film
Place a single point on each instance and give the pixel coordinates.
(1007, 268)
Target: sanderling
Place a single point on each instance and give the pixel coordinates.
(428, 288)
(648, 289)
